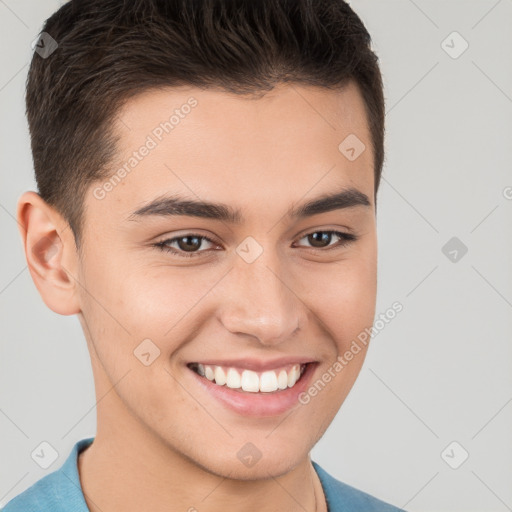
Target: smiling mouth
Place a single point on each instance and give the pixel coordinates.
(239, 379)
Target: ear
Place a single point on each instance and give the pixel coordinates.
(50, 251)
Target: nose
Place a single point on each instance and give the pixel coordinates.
(259, 301)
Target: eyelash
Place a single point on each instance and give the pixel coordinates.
(346, 239)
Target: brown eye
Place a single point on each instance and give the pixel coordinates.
(191, 243)
(187, 245)
(323, 239)
(320, 238)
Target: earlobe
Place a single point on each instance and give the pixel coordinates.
(50, 253)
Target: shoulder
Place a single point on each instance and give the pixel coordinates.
(42, 495)
(341, 496)
(59, 491)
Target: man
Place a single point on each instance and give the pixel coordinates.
(207, 175)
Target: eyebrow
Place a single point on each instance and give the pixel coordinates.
(176, 206)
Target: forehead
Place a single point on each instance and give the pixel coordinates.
(249, 151)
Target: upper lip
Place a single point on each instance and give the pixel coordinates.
(256, 365)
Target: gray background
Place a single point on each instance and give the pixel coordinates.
(439, 372)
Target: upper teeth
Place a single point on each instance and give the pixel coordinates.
(248, 380)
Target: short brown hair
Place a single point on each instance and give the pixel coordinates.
(110, 50)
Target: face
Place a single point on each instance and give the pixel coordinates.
(267, 279)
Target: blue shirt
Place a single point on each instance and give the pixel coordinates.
(61, 491)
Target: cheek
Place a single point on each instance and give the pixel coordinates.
(345, 298)
(163, 301)
(144, 299)
(345, 307)
(134, 301)
(159, 304)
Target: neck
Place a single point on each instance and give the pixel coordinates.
(130, 469)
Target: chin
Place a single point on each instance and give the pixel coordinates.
(268, 466)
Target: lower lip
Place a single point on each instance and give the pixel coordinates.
(258, 404)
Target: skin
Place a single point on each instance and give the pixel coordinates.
(163, 443)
